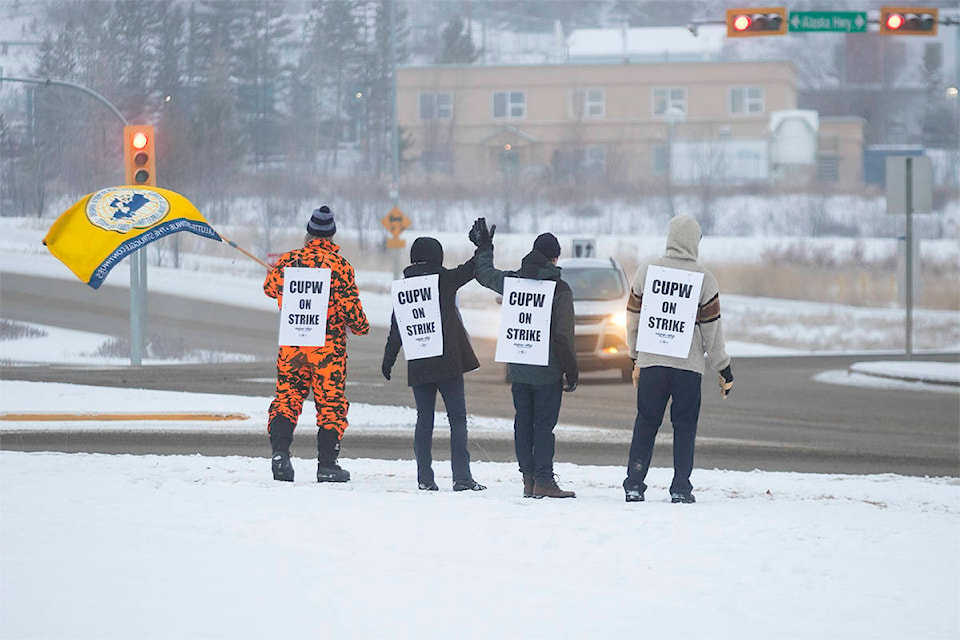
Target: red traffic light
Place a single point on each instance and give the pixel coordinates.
(139, 151)
(139, 140)
(761, 21)
(908, 21)
(741, 22)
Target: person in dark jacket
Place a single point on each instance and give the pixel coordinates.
(443, 373)
(537, 390)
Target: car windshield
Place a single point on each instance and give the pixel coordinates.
(594, 284)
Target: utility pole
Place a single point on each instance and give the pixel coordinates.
(395, 134)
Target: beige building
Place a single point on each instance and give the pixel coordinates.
(619, 123)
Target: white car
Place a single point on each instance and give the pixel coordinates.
(600, 291)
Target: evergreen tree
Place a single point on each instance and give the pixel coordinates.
(377, 74)
(259, 73)
(941, 124)
(218, 142)
(132, 50)
(174, 146)
(331, 69)
(458, 47)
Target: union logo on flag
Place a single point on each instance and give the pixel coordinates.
(121, 209)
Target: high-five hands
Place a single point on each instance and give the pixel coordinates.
(480, 235)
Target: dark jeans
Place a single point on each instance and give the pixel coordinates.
(537, 410)
(425, 396)
(656, 386)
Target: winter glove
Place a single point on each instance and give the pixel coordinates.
(480, 235)
(726, 382)
(572, 381)
(385, 369)
(636, 377)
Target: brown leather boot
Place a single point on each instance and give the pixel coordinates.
(528, 482)
(549, 489)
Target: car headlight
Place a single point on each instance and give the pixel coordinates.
(619, 319)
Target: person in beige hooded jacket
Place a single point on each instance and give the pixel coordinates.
(658, 378)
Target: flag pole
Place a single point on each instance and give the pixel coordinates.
(245, 252)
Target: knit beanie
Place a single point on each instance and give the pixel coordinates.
(548, 245)
(426, 249)
(321, 223)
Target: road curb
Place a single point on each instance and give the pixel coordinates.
(117, 417)
(948, 377)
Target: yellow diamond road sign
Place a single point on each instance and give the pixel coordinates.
(395, 222)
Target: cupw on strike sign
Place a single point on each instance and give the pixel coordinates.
(416, 307)
(524, 335)
(668, 313)
(303, 312)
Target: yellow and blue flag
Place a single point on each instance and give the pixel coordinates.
(100, 230)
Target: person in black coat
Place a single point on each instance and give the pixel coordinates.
(443, 373)
(537, 390)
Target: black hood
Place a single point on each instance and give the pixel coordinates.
(537, 266)
(426, 249)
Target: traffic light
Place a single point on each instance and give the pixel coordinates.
(908, 21)
(763, 21)
(139, 155)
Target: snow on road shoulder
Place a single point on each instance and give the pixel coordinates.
(22, 397)
(916, 375)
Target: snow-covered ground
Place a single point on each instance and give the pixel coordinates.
(99, 546)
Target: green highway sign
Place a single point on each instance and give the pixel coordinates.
(845, 21)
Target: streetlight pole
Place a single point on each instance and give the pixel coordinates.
(672, 115)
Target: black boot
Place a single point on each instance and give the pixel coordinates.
(328, 449)
(468, 485)
(632, 490)
(282, 469)
(281, 436)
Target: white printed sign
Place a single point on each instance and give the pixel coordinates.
(668, 313)
(524, 335)
(416, 306)
(303, 312)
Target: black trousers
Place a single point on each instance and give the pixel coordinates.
(658, 385)
(425, 396)
(537, 410)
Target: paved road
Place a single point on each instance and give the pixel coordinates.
(778, 418)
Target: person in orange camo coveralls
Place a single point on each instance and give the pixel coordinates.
(321, 369)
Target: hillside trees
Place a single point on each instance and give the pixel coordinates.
(234, 88)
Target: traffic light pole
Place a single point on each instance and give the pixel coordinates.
(71, 85)
(138, 261)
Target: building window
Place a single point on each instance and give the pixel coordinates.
(436, 106)
(746, 100)
(828, 168)
(668, 98)
(509, 104)
(661, 159)
(586, 103)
